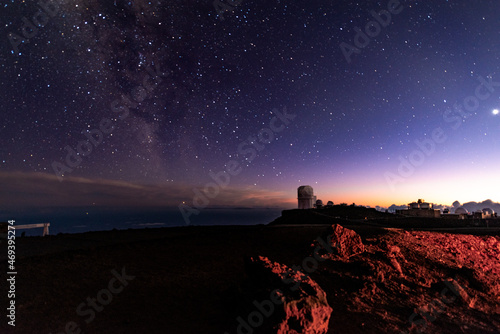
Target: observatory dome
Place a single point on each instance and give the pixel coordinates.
(461, 210)
(306, 198)
(305, 192)
(488, 211)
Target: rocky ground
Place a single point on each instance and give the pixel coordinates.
(258, 279)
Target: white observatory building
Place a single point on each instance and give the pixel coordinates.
(306, 198)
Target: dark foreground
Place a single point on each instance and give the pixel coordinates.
(194, 280)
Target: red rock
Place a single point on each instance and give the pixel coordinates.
(343, 243)
(305, 305)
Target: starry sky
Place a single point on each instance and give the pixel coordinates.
(144, 103)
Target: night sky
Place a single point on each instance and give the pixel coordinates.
(160, 97)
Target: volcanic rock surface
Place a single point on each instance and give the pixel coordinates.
(193, 279)
(342, 243)
(417, 281)
(305, 305)
(403, 281)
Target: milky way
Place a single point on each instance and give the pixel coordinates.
(169, 93)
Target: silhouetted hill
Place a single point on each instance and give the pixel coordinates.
(340, 214)
(330, 215)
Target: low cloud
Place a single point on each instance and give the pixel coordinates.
(474, 206)
(27, 191)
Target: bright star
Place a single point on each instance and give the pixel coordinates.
(496, 112)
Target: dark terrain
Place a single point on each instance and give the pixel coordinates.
(194, 279)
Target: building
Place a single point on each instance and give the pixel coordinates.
(305, 197)
(460, 213)
(489, 213)
(478, 214)
(420, 209)
(463, 213)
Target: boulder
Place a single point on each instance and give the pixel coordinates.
(303, 301)
(340, 244)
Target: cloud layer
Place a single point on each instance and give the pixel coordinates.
(25, 191)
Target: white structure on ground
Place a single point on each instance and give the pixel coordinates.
(461, 211)
(306, 198)
(420, 209)
(488, 213)
(44, 225)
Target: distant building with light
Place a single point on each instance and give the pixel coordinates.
(460, 213)
(489, 213)
(463, 213)
(420, 209)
